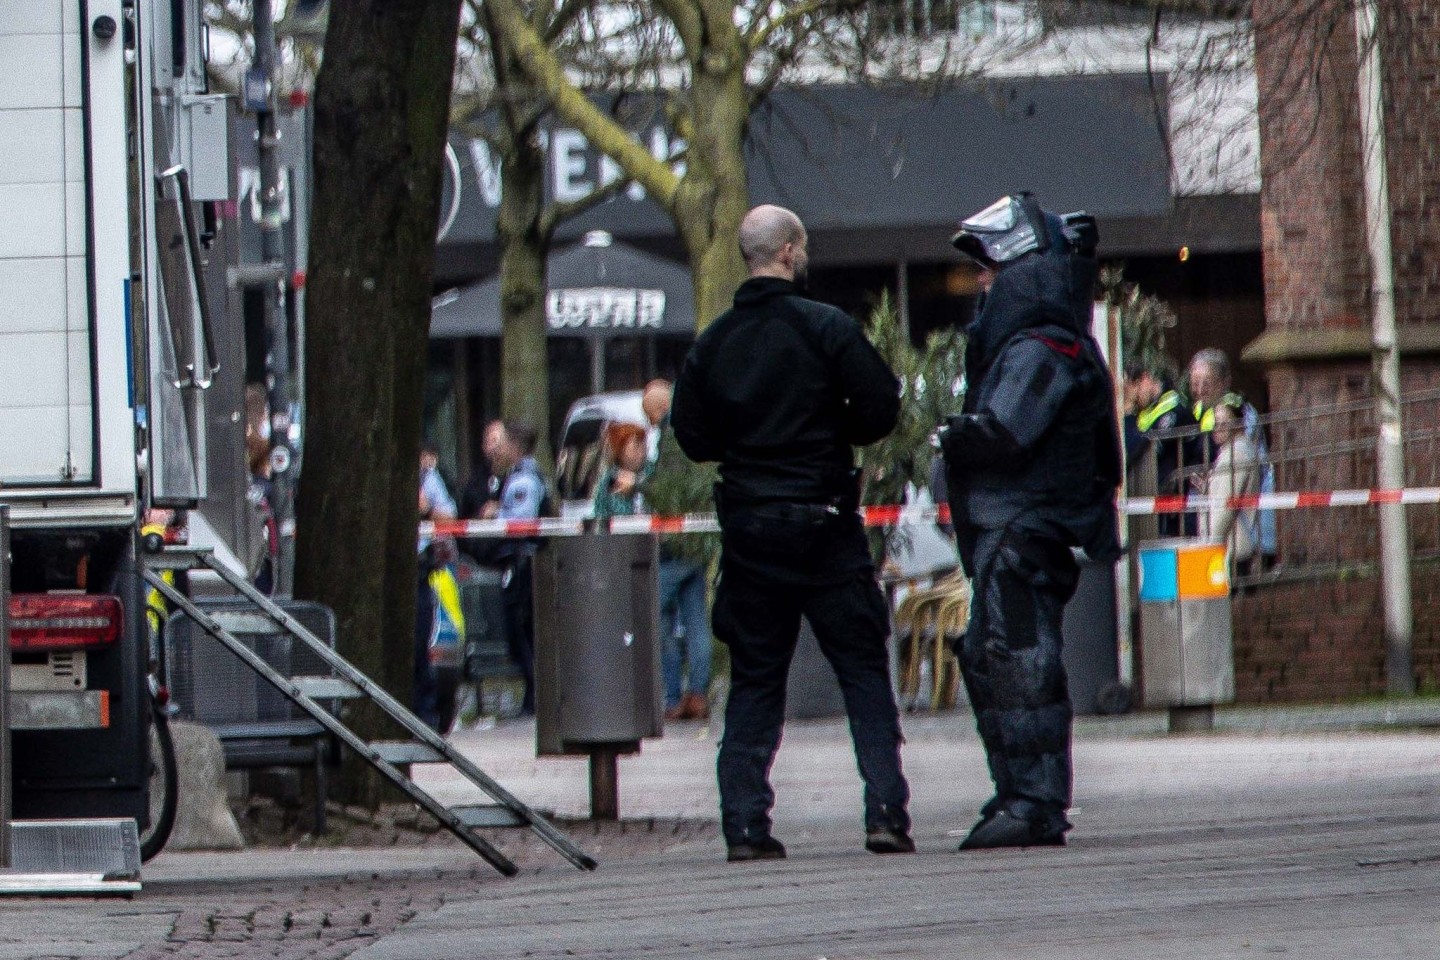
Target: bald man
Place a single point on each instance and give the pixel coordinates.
(779, 390)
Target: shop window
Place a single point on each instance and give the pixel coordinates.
(923, 18)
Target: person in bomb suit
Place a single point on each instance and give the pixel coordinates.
(1033, 462)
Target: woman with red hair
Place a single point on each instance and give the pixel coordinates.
(617, 494)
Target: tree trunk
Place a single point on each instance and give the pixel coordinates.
(524, 245)
(381, 112)
(715, 193)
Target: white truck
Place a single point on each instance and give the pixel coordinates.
(105, 125)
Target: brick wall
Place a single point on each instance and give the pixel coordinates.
(1310, 171)
(1412, 90)
(1312, 214)
(1322, 638)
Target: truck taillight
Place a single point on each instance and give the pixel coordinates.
(63, 621)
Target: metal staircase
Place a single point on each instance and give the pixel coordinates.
(423, 746)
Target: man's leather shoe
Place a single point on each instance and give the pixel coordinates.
(885, 840)
(765, 848)
(1004, 829)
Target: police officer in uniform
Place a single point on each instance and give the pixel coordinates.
(1154, 405)
(779, 390)
(1033, 462)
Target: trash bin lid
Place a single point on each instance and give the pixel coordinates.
(1182, 569)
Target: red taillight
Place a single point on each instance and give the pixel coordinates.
(63, 621)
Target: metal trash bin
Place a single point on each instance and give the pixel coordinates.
(1187, 657)
(597, 660)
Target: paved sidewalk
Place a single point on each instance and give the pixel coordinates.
(1285, 832)
(815, 779)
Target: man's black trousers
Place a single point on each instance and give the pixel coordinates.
(1010, 659)
(759, 620)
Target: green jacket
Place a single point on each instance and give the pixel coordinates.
(608, 504)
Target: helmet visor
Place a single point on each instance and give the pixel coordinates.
(998, 234)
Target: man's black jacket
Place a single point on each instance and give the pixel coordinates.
(778, 390)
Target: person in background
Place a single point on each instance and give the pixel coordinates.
(509, 446)
(674, 487)
(258, 494)
(483, 488)
(617, 493)
(1152, 404)
(435, 504)
(1235, 473)
(1209, 376)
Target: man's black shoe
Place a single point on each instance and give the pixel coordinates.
(1004, 829)
(766, 848)
(885, 840)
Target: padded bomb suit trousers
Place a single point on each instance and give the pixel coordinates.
(1010, 659)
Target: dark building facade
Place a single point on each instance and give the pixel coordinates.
(881, 179)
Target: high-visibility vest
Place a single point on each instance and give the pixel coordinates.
(1168, 401)
(447, 595)
(1206, 417)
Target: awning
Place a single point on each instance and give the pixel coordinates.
(597, 289)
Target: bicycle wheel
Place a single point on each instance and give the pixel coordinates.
(164, 790)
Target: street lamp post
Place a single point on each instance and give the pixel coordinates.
(1390, 452)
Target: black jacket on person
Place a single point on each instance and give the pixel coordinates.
(779, 390)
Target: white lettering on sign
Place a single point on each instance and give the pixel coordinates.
(567, 151)
(612, 308)
(575, 169)
(487, 171)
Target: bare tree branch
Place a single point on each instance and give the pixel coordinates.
(541, 66)
(558, 212)
(687, 19)
(760, 33)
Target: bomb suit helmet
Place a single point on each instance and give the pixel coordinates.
(1003, 232)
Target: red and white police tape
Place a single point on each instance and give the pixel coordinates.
(891, 514)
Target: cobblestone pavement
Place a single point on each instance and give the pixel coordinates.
(324, 920)
(317, 904)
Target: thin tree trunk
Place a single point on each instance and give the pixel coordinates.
(381, 111)
(524, 243)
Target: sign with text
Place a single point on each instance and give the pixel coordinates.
(858, 158)
(609, 308)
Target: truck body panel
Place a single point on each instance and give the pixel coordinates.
(67, 440)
